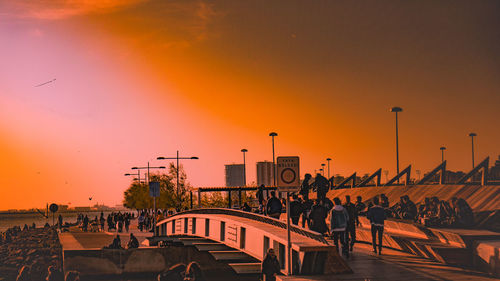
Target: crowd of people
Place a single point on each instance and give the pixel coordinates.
(344, 216)
(115, 221)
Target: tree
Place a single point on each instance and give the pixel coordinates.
(137, 195)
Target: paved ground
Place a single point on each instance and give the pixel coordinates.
(78, 240)
(394, 265)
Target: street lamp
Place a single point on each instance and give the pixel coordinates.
(442, 153)
(154, 198)
(396, 110)
(472, 135)
(322, 171)
(272, 135)
(244, 150)
(138, 175)
(177, 169)
(323, 168)
(328, 160)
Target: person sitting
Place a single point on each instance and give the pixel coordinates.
(174, 273)
(408, 210)
(133, 242)
(116, 244)
(54, 274)
(193, 272)
(246, 207)
(464, 214)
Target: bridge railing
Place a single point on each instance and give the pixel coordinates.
(257, 217)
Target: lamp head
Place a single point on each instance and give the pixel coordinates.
(472, 134)
(442, 148)
(134, 168)
(195, 157)
(396, 109)
(328, 159)
(273, 134)
(127, 174)
(160, 158)
(161, 167)
(244, 150)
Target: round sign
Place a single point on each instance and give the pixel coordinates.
(53, 208)
(288, 175)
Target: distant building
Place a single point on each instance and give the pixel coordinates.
(265, 173)
(235, 175)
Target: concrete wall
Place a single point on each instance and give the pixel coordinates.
(102, 262)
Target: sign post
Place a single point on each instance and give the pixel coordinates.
(154, 191)
(288, 173)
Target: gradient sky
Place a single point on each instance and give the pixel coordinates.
(140, 79)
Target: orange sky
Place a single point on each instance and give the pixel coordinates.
(139, 79)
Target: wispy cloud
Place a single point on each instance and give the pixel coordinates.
(61, 9)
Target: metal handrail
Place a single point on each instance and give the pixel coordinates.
(257, 217)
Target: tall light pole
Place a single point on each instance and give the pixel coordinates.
(328, 160)
(323, 168)
(177, 172)
(272, 135)
(396, 110)
(154, 198)
(442, 148)
(472, 135)
(322, 171)
(138, 175)
(244, 150)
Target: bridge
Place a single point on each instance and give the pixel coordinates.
(244, 238)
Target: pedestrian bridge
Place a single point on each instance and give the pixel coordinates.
(229, 233)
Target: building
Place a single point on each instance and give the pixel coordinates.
(494, 173)
(235, 175)
(265, 173)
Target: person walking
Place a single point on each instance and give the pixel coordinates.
(318, 216)
(260, 194)
(295, 209)
(274, 206)
(351, 223)
(305, 187)
(322, 185)
(270, 266)
(338, 222)
(376, 215)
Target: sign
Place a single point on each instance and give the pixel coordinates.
(53, 208)
(154, 189)
(288, 173)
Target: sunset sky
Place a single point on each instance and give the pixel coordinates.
(137, 79)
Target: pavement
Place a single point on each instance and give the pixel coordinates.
(394, 265)
(76, 239)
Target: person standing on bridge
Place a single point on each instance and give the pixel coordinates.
(274, 206)
(339, 219)
(270, 266)
(305, 187)
(322, 185)
(351, 223)
(376, 215)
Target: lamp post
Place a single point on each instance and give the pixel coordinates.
(442, 148)
(272, 135)
(244, 150)
(472, 135)
(177, 172)
(396, 110)
(154, 198)
(138, 175)
(322, 171)
(328, 160)
(323, 168)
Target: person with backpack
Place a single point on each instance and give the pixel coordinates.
(376, 215)
(338, 223)
(351, 223)
(274, 206)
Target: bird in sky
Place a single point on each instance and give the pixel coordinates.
(46, 83)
